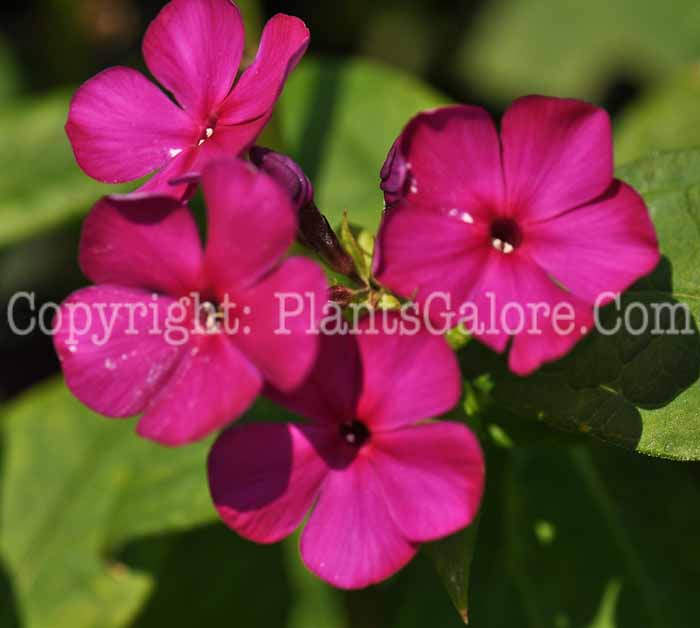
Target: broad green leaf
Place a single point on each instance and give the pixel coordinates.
(638, 391)
(207, 577)
(573, 48)
(668, 117)
(339, 120)
(594, 537)
(75, 487)
(40, 184)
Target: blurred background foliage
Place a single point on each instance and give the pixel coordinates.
(99, 529)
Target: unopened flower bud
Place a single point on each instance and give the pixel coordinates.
(314, 230)
(285, 171)
(394, 175)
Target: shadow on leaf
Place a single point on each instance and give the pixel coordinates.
(645, 355)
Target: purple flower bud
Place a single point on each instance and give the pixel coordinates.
(394, 175)
(285, 171)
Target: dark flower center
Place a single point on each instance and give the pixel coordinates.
(355, 433)
(506, 235)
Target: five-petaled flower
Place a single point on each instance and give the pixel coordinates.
(122, 127)
(515, 226)
(145, 255)
(377, 477)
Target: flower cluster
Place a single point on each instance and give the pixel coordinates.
(532, 216)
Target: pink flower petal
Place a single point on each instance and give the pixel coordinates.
(144, 242)
(602, 247)
(516, 297)
(110, 360)
(264, 477)
(420, 253)
(212, 385)
(433, 478)
(283, 44)
(452, 158)
(251, 223)
(351, 540)
(284, 312)
(330, 392)
(406, 378)
(557, 154)
(194, 48)
(122, 127)
(161, 183)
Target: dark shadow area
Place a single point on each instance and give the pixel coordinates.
(47, 269)
(210, 577)
(600, 387)
(9, 613)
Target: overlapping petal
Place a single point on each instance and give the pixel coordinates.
(515, 297)
(422, 253)
(264, 477)
(111, 360)
(213, 384)
(284, 42)
(406, 377)
(432, 476)
(143, 242)
(194, 48)
(279, 330)
(122, 127)
(251, 223)
(330, 392)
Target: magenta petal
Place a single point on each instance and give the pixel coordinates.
(264, 477)
(282, 320)
(351, 540)
(167, 180)
(251, 223)
(517, 298)
(602, 247)
(433, 478)
(144, 242)
(406, 378)
(212, 385)
(330, 392)
(283, 44)
(122, 127)
(194, 48)
(110, 360)
(557, 154)
(453, 160)
(420, 252)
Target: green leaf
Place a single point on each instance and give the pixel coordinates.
(668, 117)
(41, 186)
(9, 77)
(637, 391)
(574, 49)
(453, 557)
(75, 487)
(339, 120)
(586, 537)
